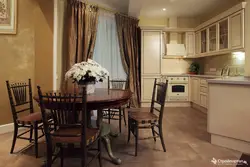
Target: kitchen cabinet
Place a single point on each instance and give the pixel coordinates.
(151, 62)
(199, 91)
(151, 52)
(212, 31)
(203, 100)
(197, 43)
(237, 30)
(195, 90)
(190, 43)
(204, 41)
(223, 34)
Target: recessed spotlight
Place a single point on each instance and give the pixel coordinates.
(164, 9)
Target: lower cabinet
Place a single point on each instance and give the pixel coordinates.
(195, 91)
(199, 91)
(203, 100)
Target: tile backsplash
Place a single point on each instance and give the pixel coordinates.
(209, 64)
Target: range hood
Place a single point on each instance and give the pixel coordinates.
(174, 48)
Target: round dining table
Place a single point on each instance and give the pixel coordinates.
(102, 98)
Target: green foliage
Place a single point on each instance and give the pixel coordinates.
(194, 67)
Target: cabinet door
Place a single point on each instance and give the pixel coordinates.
(212, 38)
(236, 30)
(203, 100)
(151, 52)
(147, 88)
(195, 92)
(204, 41)
(223, 34)
(197, 42)
(190, 43)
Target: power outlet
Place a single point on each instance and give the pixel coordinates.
(212, 69)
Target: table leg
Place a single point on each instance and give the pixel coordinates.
(106, 142)
(105, 135)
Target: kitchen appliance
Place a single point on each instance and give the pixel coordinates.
(177, 88)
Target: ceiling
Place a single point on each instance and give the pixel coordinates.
(179, 8)
(184, 8)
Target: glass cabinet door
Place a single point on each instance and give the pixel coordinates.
(212, 38)
(223, 34)
(203, 41)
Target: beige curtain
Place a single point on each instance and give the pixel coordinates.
(127, 29)
(81, 24)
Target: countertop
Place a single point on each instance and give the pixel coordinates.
(241, 80)
(191, 75)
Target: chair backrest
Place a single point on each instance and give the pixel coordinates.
(62, 111)
(117, 84)
(20, 97)
(159, 97)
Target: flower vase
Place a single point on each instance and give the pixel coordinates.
(90, 87)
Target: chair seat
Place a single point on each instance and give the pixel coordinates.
(143, 117)
(91, 135)
(31, 118)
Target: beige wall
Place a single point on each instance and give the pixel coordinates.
(145, 21)
(43, 23)
(19, 52)
(219, 62)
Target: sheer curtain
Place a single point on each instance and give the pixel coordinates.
(107, 50)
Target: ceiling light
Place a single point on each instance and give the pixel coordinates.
(164, 9)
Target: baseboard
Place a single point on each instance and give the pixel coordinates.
(169, 104)
(6, 128)
(197, 107)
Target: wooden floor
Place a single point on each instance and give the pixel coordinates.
(185, 136)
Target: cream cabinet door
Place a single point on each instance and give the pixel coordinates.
(190, 43)
(147, 88)
(151, 52)
(195, 90)
(203, 100)
(197, 43)
(237, 30)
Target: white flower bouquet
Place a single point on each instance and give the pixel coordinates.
(87, 72)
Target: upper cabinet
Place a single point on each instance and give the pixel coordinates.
(203, 41)
(237, 30)
(190, 43)
(151, 52)
(212, 31)
(223, 34)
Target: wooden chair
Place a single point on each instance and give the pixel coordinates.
(119, 112)
(21, 102)
(144, 118)
(69, 114)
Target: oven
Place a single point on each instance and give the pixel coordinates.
(177, 89)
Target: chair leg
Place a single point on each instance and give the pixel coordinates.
(49, 156)
(120, 120)
(14, 139)
(153, 132)
(129, 132)
(124, 117)
(61, 156)
(136, 138)
(31, 133)
(84, 158)
(36, 138)
(100, 152)
(161, 137)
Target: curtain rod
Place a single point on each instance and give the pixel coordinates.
(108, 9)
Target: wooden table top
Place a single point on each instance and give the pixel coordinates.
(101, 98)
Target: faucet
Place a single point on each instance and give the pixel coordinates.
(225, 70)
